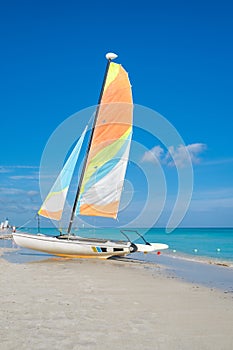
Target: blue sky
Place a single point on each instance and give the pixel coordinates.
(179, 57)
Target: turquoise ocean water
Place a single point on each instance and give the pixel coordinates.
(195, 243)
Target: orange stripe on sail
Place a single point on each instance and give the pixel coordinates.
(56, 215)
(119, 89)
(118, 112)
(122, 95)
(106, 137)
(107, 129)
(108, 210)
(114, 114)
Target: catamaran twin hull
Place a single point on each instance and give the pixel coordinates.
(78, 247)
(100, 185)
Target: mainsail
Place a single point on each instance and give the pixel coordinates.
(107, 160)
(104, 171)
(53, 205)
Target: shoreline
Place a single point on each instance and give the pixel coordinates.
(81, 304)
(200, 258)
(212, 273)
(177, 254)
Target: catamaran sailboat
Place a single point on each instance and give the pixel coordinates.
(105, 164)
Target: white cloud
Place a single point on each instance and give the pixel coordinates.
(202, 205)
(219, 161)
(10, 167)
(182, 155)
(24, 177)
(4, 170)
(154, 155)
(179, 157)
(32, 193)
(212, 200)
(195, 149)
(11, 191)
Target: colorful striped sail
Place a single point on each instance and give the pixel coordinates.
(109, 151)
(53, 205)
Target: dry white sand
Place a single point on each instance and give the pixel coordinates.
(91, 304)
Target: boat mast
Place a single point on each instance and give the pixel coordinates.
(110, 56)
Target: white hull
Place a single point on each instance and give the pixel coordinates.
(78, 247)
(73, 247)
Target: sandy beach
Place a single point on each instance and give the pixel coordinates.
(91, 304)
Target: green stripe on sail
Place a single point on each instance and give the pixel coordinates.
(104, 156)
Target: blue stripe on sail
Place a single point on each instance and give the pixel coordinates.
(104, 170)
(65, 176)
(108, 166)
(60, 188)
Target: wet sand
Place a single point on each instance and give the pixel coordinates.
(203, 271)
(91, 304)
